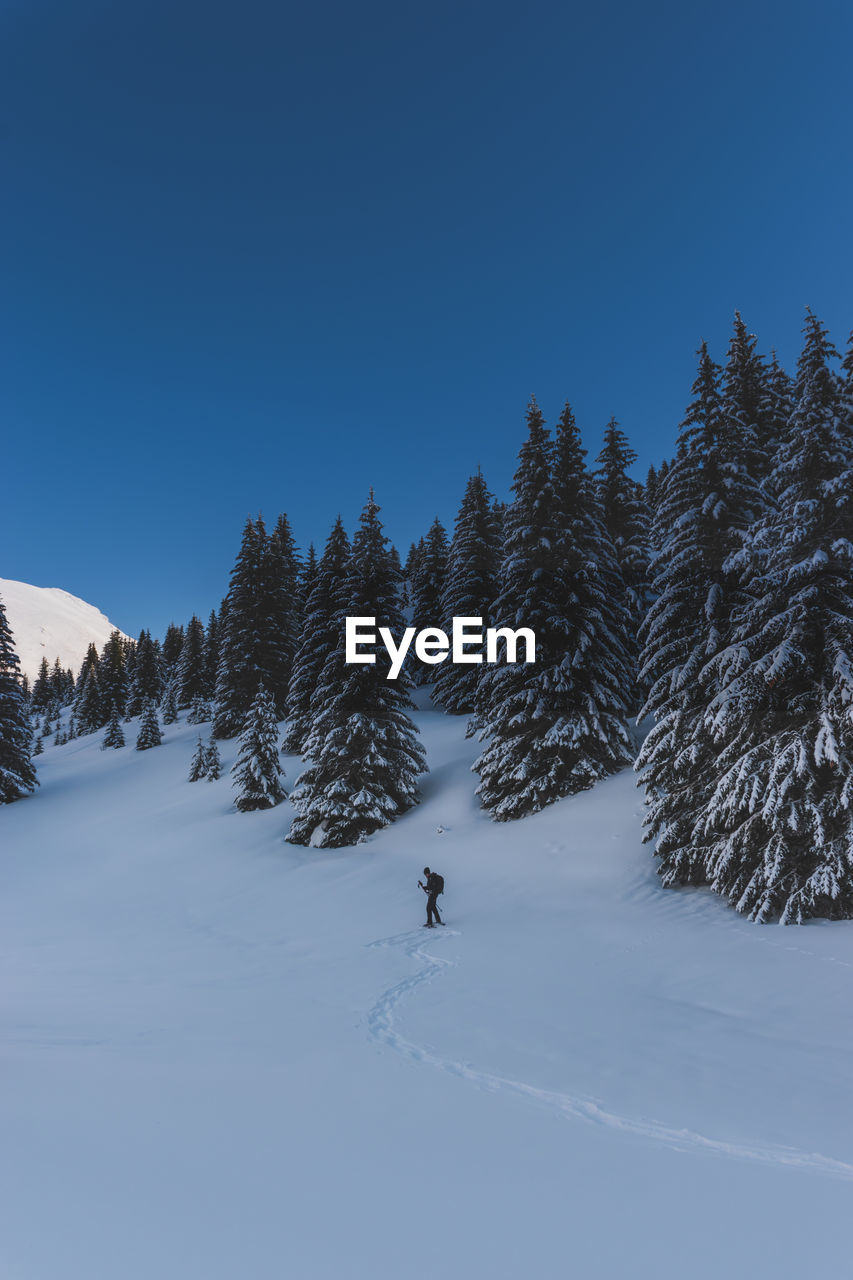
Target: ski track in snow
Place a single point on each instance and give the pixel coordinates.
(381, 1025)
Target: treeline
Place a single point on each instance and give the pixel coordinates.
(714, 600)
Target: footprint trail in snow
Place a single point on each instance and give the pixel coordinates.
(382, 1028)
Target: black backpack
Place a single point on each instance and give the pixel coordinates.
(437, 883)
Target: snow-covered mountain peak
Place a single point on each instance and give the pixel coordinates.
(48, 622)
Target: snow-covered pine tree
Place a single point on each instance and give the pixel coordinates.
(553, 727)
(88, 706)
(410, 573)
(173, 643)
(279, 613)
(190, 674)
(363, 747)
(146, 680)
(626, 520)
(17, 775)
(212, 761)
(257, 636)
(320, 635)
(169, 702)
(38, 748)
(149, 729)
(426, 592)
(112, 678)
(257, 772)
(199, 711)
(114, 736)
(779, 825)
(40, 693)
(198, 764)
(470, 590)
(236, 676)
(211, 653)
(307, 579)
(708, 502)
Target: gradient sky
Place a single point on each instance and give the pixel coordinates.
(260, 256)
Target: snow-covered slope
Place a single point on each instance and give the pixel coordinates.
(50, 623)
(224, 1056)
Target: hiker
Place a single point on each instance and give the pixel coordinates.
(433, 887)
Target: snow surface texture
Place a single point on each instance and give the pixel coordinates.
(223, 1055)
(50, 623)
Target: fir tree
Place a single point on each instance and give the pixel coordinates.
(17, 775)
(363, 747)
(146, 680)
(279, 609)
(257, 772)
(88, 705)
(211, 654)
(39, 746)
(198, 765)
(149, 729)
(427, 588)
(471, 587)
(173, 643)
(626, 519)
(112, 678)
(779, 825)
(212, 761)
(114, 736)
(708, 502)
(556, 725)
(199, 711)
(41, 691)
(169, 703)
(190, 674)
(320, 637)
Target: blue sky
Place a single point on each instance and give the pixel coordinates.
(261, 256)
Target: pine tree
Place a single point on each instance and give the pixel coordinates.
(114, 736)
(112, 678)
(146, 679)
(257, 772)
(149, 729)
(241, 635)
(212, 761)
(190, 674)
(427, 588)
(17, 775)
(198, 765)
(363, 747)
(626, 519)
(169, 703)
(471, 587)
(320, 636)
(307, 579)
(199, 711)
(88, 705)
(708, 502)
(39, 746)
(779, 824)
(211, 654)
(173, 643)
(279, 613)
(41, 691)
(554, 726)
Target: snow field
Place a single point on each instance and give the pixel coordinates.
(225, 1055)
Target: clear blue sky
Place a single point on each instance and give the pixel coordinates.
(260, 256)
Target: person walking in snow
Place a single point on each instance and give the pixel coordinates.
(433, 887)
